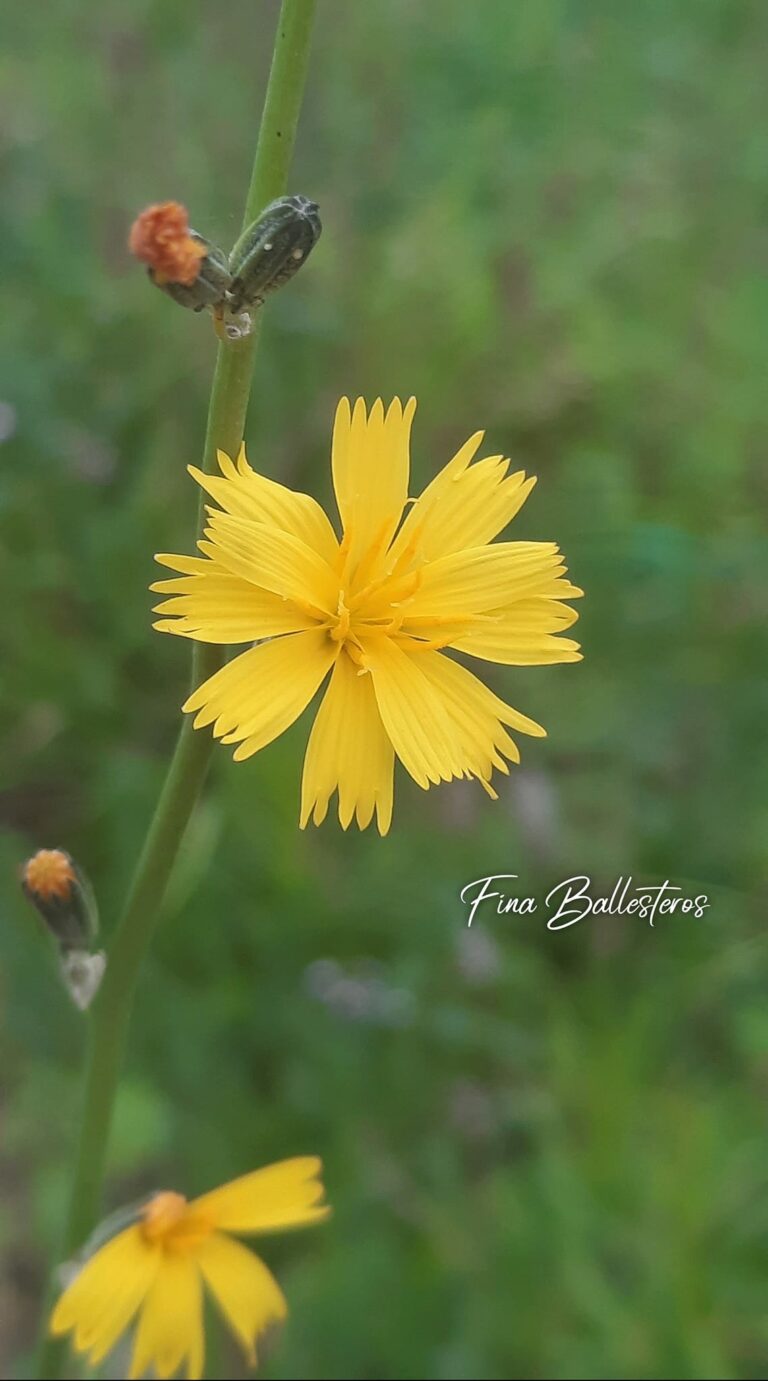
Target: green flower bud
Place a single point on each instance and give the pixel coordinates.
(271, 250)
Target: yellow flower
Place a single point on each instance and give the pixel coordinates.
(376, 609)
(157, 1268)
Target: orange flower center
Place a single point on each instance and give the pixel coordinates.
(49, 875)
(169, 1221)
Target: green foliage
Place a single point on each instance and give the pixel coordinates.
(545, 1150)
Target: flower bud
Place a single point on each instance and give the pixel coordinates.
(271, 250)
(63, 896)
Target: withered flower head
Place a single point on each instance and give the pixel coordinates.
(160, 237)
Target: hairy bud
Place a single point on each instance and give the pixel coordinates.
(62, 895)
(271, 250)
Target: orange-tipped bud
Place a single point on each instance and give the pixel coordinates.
(56, 887)
(160, 237)
(61, 893)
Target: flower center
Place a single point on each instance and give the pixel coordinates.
(377, 607)
(162, 1214)
(168, 1220)
(376, 597)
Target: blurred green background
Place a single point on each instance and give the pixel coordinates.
(547, 218)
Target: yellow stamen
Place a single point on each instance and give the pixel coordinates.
(355, 653)
(419, 645)
(386, 592)
(339, 633)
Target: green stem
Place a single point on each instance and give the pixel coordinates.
(110, 1015)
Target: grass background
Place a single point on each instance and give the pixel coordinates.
(548, 218)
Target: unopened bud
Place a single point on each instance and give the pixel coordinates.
(63, 896)
(271, 250)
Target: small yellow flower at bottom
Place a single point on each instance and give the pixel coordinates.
(156, 1270)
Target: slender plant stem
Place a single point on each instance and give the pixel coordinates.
(110, 1015)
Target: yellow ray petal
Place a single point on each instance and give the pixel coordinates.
(442, 720)
(523, 634)
(101, 1301)
(240, 490)
(259, 694)
(540, 615)
(284, 1195)
(186, 565)
(349, 749)
(215, 607)
(413, 713)
(464, 506)
(245, 1291)
(520, 634)
(371, 463)
(170, 1328)
(477, 716)
(272, 559)
(439, 488)
(483, 578)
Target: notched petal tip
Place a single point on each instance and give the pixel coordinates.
(360, 414)
(343, 414)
